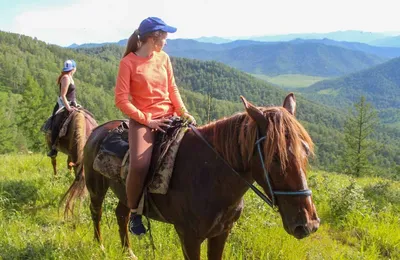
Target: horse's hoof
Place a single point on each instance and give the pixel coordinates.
(102, 248)
(71, 164)
(132, 255)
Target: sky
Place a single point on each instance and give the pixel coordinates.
(65, 22)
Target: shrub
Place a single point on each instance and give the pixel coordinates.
(347, 200)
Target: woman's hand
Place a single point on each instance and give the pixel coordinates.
(72, 109)
(157, 124)
(189, 118)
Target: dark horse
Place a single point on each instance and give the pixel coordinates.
(205, 197)
(79, 129)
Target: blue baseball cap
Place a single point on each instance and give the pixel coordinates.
(69, 65)
(152, 24)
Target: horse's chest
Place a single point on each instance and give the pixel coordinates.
(220, 221)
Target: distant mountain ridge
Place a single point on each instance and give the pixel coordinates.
(389, 52)
(213, 39)
(380, 85)
(348, 35)
(308, 58)
(372, 38)
(388, 42)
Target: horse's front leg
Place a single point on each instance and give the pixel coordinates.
(216, 246)
(70, 164)
(54, 163)
(190, 245)
(122, 214)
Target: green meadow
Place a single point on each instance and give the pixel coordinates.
(359, 220)
(290, 81)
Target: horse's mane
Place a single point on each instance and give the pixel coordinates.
(234, 138)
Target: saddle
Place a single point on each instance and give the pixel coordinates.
(112, 159)
(46, 127)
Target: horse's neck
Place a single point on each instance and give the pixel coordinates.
(229, 178)
(223, 136)
(202, 183)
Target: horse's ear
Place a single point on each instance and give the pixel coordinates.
(290, 103)
(255, 113)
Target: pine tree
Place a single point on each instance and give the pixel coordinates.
(32, 114)
(8, 129)
(359, 146)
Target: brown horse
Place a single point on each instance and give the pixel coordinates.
(214, 168)
(79, 129)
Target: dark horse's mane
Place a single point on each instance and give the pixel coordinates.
(282, 129)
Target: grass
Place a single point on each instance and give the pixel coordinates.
(290, 81)
(32, 227)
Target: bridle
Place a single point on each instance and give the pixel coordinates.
(270, 201)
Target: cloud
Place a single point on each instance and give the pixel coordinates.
(83, 21)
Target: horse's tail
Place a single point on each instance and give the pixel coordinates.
(76, 190)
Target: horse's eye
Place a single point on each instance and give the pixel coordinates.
(276, 159)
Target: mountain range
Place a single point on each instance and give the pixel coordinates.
(308, 58)
(325, 58)
(372, 38)
(389, 39)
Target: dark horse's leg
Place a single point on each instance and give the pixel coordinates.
(190, 246)
(53, 159)
(54, 163)
(216, 246)
(97, 186)
(122, 213)
(70, 164)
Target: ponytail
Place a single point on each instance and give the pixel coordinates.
(133, 43)
(63, 73)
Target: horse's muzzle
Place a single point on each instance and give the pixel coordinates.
(304, 230)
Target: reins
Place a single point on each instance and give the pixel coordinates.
(270, 201)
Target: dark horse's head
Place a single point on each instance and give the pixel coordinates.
(279, 164)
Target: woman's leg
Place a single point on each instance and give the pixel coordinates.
(141, 139)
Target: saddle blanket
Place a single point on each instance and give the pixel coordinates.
(46, 127)
(112, 160)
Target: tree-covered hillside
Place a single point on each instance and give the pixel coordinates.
(28, 91)
(380, 85)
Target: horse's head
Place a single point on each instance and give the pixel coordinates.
(278, 164)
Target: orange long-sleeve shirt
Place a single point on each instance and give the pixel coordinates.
(150, 84)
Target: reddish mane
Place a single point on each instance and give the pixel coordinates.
(283, 128)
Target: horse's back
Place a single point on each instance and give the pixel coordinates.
(97, 136)
(92, 177)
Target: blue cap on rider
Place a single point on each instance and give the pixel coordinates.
(69, 65)
(152, 24)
